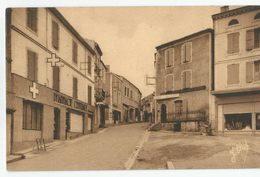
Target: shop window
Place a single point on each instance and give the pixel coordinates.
(32, 18)
(74, 52)
(186, 54)
(186, 79)
(238, 122)
(32, 65)
(56, 78)
(233, 74)
(32, 115)
(169, 57)
(89, 95)
(258, 121)
(55, 35)
(253, 39)
(233, 22)
(233, 43)
(89, 65)
(75, 87)
(169, 82)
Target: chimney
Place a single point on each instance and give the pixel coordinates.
(224, 8)
(108, 68)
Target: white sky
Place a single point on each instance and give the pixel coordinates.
(128, 36)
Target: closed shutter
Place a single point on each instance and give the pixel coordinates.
(230, 43)
(257, 38)
(35, 67)
(249, 71)
(29, 18)
(170, 58)
(55, 34)
(183, 79)
(75, 52)
(249, 40)
(34, 19)
(32, 65)
(188, 52)
(75, 87)
(236, 42)
(56, 78)
(188, 79)
(257, 71)
(183, 51)
(233, 74)
(89, 65)
(166, 58)
(185, 108)
(169, 83)
(89, 94)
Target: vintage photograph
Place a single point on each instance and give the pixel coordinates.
(132, 88)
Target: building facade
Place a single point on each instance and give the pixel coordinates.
(184, 81)
(148, 112)
(237, 70)
(50, 91)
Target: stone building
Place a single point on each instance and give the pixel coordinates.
(237, 70)
(50, 93)
(184, 81)
(148, 112)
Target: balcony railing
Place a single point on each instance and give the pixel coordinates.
(185, 116)
(100, 94)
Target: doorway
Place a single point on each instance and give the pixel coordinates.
(102, 115)
(56, 131)
(163, 113)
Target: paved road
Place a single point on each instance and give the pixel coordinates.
(109, 150)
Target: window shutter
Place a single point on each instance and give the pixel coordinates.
(183, 53)
(170, 58)
(257, 38)
(188, 79)
(89, 65)
(236, 42)
(76, 53)
(166, 58)
(89, 94)
(188, 52)
(55, 39)
(185, 107)
(257, 70)
(28, 17)
(183, 79)
(31, 65)
(233, 74)
(230, 43)
(249, 71)
(56, 78)
(35, 67)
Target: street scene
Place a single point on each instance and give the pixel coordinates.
(132, 88)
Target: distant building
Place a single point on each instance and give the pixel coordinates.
(237, 70)
(148, 112)
(50, 78)
(184, 81)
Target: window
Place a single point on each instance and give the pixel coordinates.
(169, 57)
(125, 91)
(32, 18)
(55, 35)
(252, 71)
(119, 97)
(74, 52)
(89, 94)
(252, 39)
(131, 94)
(233, 22)
(32, 65)
(257, 16)
(115, 96)
(186, 54)
(238, 122)
(169, 82)
(186, 79)
(178, 107)
(75, 87)
(233, 43)
(56, 78)
(257, 70)
(32, 115)
(257, 121)
(89, 65)
(233, 74)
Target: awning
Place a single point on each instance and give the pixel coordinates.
(102, 104)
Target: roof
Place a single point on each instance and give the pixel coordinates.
(62, 19)
(233, 12)
(208, 30)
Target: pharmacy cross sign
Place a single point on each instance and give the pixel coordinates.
(34, 90)
(53, 60)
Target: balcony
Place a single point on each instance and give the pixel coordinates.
(186, 116)
(100, 94)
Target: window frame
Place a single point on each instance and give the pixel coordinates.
(254, 72)
(234, 22)
(167, 59)
(37, 106)
(58, 35)
(239, 75)
(239, 43)
(36, 22)
(184, 60)
(35, 66)
(182, 84)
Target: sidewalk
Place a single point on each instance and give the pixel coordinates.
(195, 151)
(32, 152)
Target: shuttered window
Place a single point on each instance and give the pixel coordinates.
(257, 70)
(32, 66)
(186, 53)
(249, 71)
(169, 57)
(32, 18)
(233, 74)
(56, 78)
(89, 65)
(186, 79)
(74, 52)
(89, 95)
(252, 39)
(169, 83)
(55, 35)
(32, 115)
(233, 43)
(75, 87)
(257, 38)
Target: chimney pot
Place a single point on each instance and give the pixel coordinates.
(224, 8)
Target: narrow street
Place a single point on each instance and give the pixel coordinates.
(108, 150)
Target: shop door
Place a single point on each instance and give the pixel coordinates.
(56, 132)
(102, 115)
(8, 133)
(163, 113)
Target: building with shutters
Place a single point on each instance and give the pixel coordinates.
(184, 80)
(237, 70)
(50, 78)
(123, 99)
(148, 112)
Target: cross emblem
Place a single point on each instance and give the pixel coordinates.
(34, 90)
(53, 60)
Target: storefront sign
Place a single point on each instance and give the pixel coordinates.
(81, 106)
